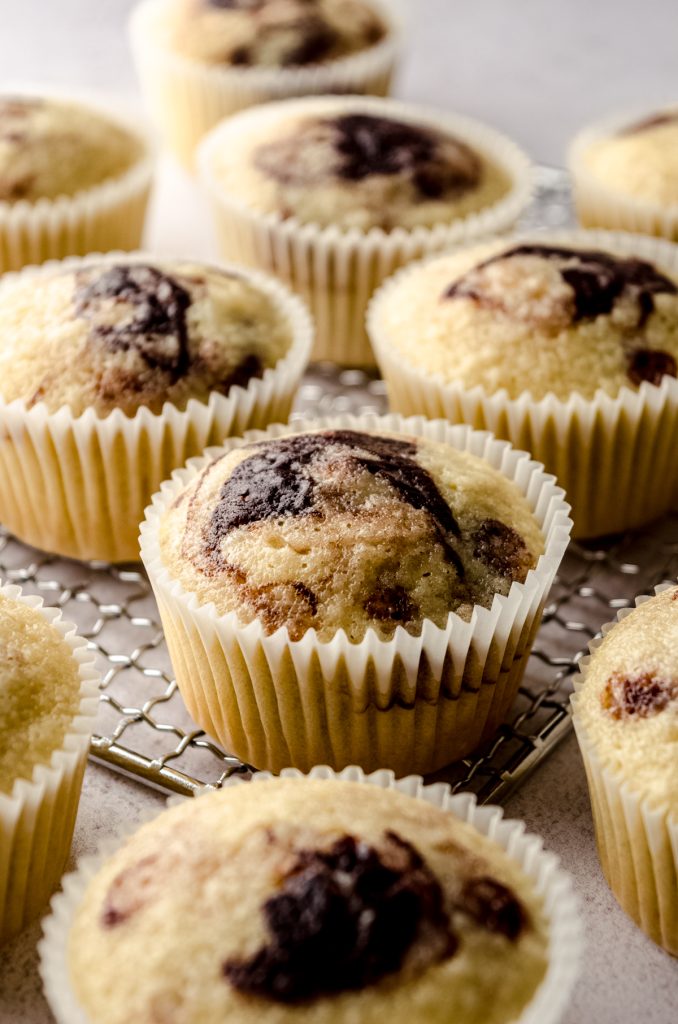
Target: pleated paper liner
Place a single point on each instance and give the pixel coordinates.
(637, 841)
(337, 271)
(187, 98)
(526, 850)
(97, 474)
(411, 703)
(37, 815)
(615, 457)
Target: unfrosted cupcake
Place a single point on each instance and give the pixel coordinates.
(626, 717)
(203, 60)
(72, 180)
(566, 345)
(47, 707)
(353, 595)
(335, 193)
(316, 897)
(626, 173)
(114, 370)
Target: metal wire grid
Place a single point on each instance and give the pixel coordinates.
(143, 728)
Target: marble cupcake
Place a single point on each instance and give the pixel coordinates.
(364, 593)
(333, 194)
(116, 369)
(566, 345)
(48, 701)
(626, 717)
(72, 180)
(343, 899)
(625, 173)
(200, 61)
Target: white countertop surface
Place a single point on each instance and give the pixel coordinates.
(537, 71)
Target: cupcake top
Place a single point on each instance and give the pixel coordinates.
(640, 160)
(271, 33)
(39, 690)
(534, 316)
(344, 163)
(628, 703)
(340, 529)
(51, 148)
(131, 333)
(308, 899)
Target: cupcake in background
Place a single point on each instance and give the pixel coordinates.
(566, 345)
(334, 193)
(200, 61)
(625, 173)
(114, 370)
(73, 180)
(48, 702)
(626, 717)
(337, 899)
(365, 591)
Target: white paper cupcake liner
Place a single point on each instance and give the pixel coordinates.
(411, 703)
(97, 474)
(106, 216)
(616, 458)
(599, 206)
(187, 98)
(337, 271)
(637, 842)
(526, 850)
(38, 815)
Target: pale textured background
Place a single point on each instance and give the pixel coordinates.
(537, 70)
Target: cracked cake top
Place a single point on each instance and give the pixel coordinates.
(306, 897)
(344, 529)
(534, 316)
(50, 148)
(628, 703)
(135, 332)
(339, 162)
(271, 33)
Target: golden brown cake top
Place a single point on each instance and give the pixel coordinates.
(50, 148)
(629, 701)
(344, 529)
(305, 899)
(639, 160)
(271, 33)
(135, 333)
(536, 316)
(39, 691)
(339, 162)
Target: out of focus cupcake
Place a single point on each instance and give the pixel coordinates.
(73, 180)
(332, 899)
(202, 60)
(625, 173)
(566, 345)
(365, 593)
(48, 700)
(114, 370)
(626, 716)
(334, 193)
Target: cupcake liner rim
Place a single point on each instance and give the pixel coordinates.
(561, 906)
(76, 739)
(293, 361)
(276, 79)
(488, 140)
(551, 500)
(642, 245)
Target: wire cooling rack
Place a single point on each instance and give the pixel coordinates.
(143, 728)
